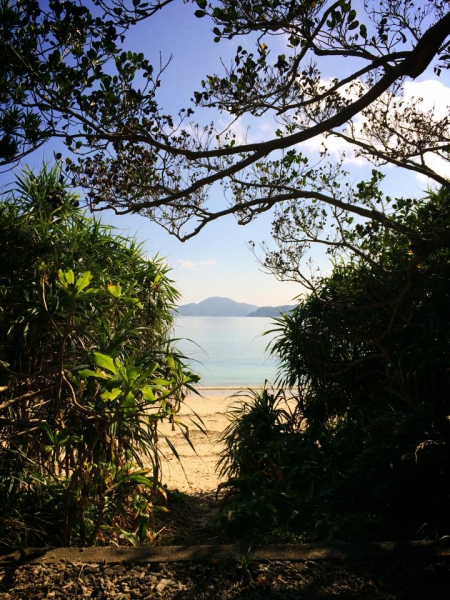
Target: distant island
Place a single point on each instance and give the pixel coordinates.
(271, 311)
(225, 307)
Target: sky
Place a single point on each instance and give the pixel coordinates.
(217, 262)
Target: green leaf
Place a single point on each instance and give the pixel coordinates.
(66, 278)
(48, 430)
(105, 362)
(132, 373)
(200, 13)
(115, 290)
(108, 396)
(143, 526)
(129, 403)
(171, 362)
(219, 13)
(89, 373)
(149, 371)
(133, 301)
(131, 537)
(83, 281)
(141, 479)
(147, 394)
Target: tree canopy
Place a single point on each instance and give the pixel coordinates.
(65, 75)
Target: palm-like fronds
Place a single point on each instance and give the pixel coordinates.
(84, 437)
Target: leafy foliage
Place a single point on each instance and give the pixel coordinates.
(87, 372)
(55, 54)
(365, 453)
(66, 75)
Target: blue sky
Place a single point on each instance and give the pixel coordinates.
(217, 261)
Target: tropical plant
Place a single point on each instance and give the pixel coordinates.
(259, 460)
(87, 371)
(365, 454)
(255, 424)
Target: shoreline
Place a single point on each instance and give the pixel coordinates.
(226, 388)
(223, 390)
(230, 391)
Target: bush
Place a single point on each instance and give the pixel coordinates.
(87, 371)
(366, 453)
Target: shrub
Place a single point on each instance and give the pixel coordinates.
(87, 371)
(366, 453)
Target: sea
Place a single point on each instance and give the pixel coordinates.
(227, 352)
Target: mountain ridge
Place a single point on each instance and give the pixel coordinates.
(271, 311)
(219, 306)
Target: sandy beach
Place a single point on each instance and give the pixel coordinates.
(199, 467)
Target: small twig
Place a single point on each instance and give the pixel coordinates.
(83, 409)
(22, 422)
(26, 396)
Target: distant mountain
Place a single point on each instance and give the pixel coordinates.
(271, 311)
(216, 307)
(225, 307)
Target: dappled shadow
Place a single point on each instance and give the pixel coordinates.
(187, 521)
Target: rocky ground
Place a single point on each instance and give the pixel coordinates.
(237, 578)
(242, 574)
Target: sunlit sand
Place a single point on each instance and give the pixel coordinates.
(199, 473)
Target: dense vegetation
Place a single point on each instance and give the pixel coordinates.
(87, 371)
(363, 449)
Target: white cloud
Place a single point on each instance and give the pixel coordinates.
(189, 264)
(336, 147)
(433, 95)
(251, 130)
(186, 264)
(438, 164)
(207, 263)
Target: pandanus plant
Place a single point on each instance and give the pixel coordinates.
(87, 371)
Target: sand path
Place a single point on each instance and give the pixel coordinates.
(199, 466)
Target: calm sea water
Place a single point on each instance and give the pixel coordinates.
(227, 351)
